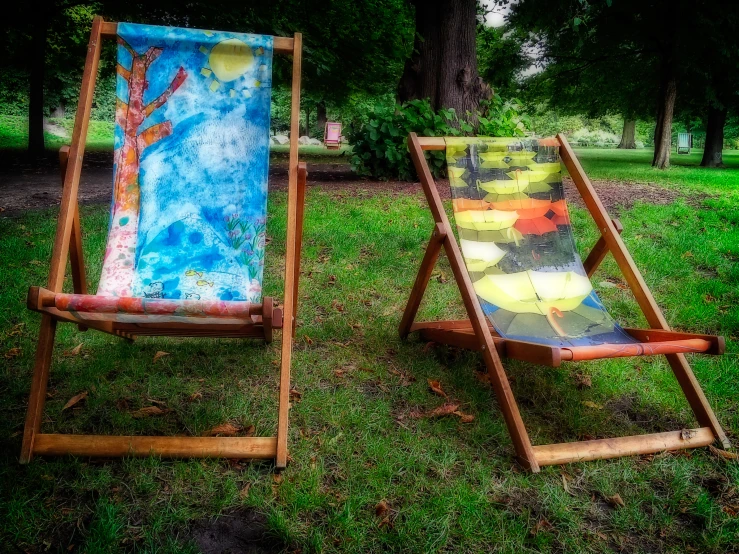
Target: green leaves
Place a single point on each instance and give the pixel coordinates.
(380, 149)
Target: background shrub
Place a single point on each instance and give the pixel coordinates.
(379, 145)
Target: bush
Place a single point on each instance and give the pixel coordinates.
(499, 118)
(379, 145)
(379, 142)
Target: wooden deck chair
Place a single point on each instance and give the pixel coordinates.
(185, 250)
(527, 294)
(332, 135)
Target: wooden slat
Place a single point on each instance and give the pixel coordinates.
(718, 344)
(39, 381)
(432, 143)
(498, 378)
(684, 374)
(436, 242)
(290, 258)
(68, 205)
(541, 354)
(598, 352)
(167, 447)
(302, 178)
(282, 45)
(76, 259)
(599, 251)
(568, 452)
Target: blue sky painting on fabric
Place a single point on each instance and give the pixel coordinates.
(202, 159)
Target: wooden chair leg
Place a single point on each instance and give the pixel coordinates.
(302, 178)
(76, 259)
(422, 279)
(40, 379)
(599, 251)
(696, 398)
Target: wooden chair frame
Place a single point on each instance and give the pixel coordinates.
(266, 317)
(476, 332)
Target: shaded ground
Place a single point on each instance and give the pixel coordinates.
(36, 184)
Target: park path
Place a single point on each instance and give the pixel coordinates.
(27, 185)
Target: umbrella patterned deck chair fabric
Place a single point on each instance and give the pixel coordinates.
(528, 295)
(186, 241)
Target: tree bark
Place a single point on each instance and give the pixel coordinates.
(306, 129)
(443, 67)
(628, 135)
(663, 130)
(36, 93)
(712, 153)
(321, 117)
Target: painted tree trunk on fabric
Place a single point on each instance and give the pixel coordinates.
(628, 136)
(443, 67)
(663, 130)
(321, 117)
(712, 154)
(130, 116)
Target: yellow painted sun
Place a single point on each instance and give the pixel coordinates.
(228, 60)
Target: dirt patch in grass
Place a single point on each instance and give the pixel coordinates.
(34, 184)
(243, 531)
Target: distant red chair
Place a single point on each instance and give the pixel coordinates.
(332, 136)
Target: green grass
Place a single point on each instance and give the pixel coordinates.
(450, 486)
(684, 171)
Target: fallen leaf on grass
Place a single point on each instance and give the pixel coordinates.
(249, 431)
(277, 478)
(75, 399)
(308, 340)
(244, 492)
(340, 372)
(148, 411)
(74, 351)
(583, 381)
(295, 394)
(444, 410)
(12, 353)
(464, 418)
(382, 509)
(160, 354)
(591, 404)
(542, 525)
(195, 396)
(616, 501)
(723, 453)
(435, 387)
(223, 430)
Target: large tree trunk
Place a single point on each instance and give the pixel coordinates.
(321, 117)
(628, 135)
(663, 130)
(36, 94)
(306, 130)
(712, 154)
(443, 67)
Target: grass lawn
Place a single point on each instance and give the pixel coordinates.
(449, 486)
